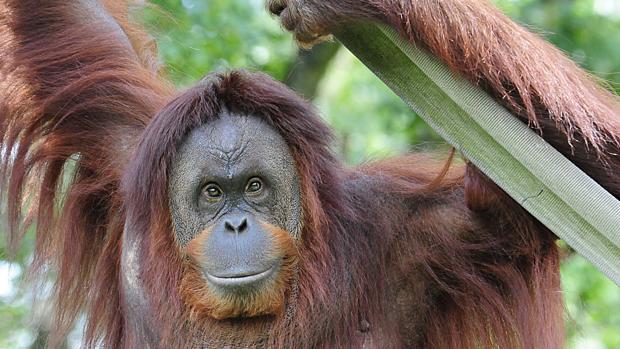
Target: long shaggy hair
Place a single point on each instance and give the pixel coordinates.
(76, 95)
(526, 74)
(89, 129)
(485, 281)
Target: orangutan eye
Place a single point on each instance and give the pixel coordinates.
(212, 191)
(254, 186)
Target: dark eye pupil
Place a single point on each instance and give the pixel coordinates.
(254, 186)
(213, 191)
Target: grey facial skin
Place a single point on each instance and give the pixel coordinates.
(212, 185)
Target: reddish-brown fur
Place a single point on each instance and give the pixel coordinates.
(523, 72)
(388, 256)
(72, 86)
(195, 247)
(204, 303)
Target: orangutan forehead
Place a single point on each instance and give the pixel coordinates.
(229, 137)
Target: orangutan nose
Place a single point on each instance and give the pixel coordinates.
(236, 225)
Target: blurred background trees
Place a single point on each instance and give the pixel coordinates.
(198, 36)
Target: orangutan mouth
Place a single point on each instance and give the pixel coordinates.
(242, 278)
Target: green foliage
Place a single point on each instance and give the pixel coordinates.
(198, 36)
(371, 121)
(15, 307)
(592, 302)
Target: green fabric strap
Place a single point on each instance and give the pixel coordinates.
(542, 180)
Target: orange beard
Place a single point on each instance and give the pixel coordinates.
(202, 301)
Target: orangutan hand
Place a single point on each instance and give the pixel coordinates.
(311, 21)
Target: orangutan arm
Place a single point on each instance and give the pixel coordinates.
(74, 81)
(533, 79)
(77, 86)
